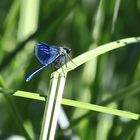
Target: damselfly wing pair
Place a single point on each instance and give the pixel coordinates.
(47, 54)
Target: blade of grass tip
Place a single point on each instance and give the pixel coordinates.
(100, 109)
(109, 100)
(29, 95)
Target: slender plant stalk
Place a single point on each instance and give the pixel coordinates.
(48, 109)
(56, 110)
(52, 107)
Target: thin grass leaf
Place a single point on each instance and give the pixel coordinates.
(81, 105)
(100, 109)
(87, 56)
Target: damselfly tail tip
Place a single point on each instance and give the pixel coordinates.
(28, 79)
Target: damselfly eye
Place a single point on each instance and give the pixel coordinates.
(67, 50)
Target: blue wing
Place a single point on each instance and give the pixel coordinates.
(46, 54)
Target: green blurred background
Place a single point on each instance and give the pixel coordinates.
(80, 25)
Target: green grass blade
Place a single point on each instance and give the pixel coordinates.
(100, 109)
(82, 105)
(89, 55)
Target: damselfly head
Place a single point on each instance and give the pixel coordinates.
(67, 50)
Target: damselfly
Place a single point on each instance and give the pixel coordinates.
(47, 54)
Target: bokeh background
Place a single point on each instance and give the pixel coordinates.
(80, 25)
